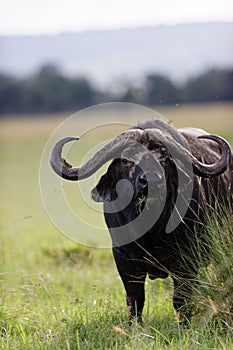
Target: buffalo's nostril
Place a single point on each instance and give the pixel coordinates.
(142, 180)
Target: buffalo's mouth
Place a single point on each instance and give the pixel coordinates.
(152, 197)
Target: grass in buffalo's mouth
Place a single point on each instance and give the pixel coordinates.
(141, 202)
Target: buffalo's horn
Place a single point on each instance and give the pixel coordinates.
(108, 152)
(210, 170)
(181, 153)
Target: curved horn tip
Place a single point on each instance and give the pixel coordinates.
(71, 138)
(59, 165)
(211, 170)
(215, 138)
(219, 140)
(57, 148)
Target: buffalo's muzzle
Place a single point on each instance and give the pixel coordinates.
(156, 181)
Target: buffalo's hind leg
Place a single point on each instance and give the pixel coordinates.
(182, 299)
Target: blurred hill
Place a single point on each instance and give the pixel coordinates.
(176, 51)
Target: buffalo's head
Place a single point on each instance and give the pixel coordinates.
(147, 164)
(141, 170)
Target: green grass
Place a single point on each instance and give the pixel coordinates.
(214, 294)
(55, 294)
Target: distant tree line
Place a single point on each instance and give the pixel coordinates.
(51, 91)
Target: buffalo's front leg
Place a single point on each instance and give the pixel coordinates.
(133, 276)
(135, 298)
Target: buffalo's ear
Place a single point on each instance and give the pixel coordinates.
(103, 190)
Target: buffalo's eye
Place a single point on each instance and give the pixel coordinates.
(124, 161)
(163, 151)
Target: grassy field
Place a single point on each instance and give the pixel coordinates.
(56, 294)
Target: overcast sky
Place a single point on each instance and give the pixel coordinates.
(55, 16)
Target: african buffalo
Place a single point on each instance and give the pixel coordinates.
(176, 176)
